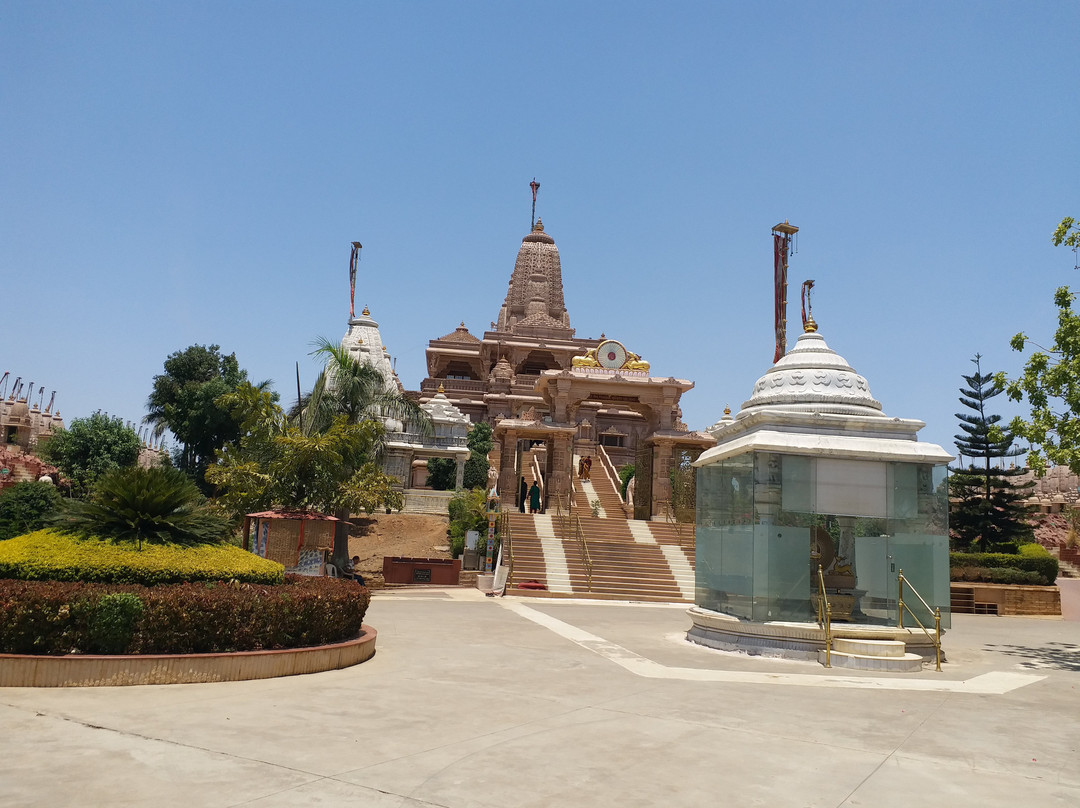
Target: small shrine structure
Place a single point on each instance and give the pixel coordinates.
(811, 472)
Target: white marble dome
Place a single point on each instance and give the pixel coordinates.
(442, 411)
(812, 377)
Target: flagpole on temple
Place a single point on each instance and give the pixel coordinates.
(535, 187)
(781, 234)
(354, 259)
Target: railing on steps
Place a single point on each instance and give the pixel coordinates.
(824, 616)
(506, 539)
(936, 639)
(610, 471)
(564, 504)
(538, 478)
(586, 557)
(665, 507)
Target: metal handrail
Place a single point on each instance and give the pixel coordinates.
(936, 639)
(610, 471)
(506, 540)
(669, 516)
(824, 616)
(539, 480)
(586, 556)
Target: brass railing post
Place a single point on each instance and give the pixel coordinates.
(824, 611)
(936, 639)
(937, 635)
(900, 601)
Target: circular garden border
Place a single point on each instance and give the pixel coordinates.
(86, 670)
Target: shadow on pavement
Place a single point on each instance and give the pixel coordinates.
(1060, 656)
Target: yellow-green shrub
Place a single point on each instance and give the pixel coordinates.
(48, 555)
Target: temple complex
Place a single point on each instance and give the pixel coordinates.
(552, 397)
(25, 426)
(22, 420)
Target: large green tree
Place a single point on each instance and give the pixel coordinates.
(1050, 381)
(89, 447)
(276, 464)
(356, 392)
(325, 455)
(184, 400)
(476, 467)
(987, 510)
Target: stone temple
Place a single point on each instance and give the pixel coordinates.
(552, 396)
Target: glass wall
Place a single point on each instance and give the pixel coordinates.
(766, 521)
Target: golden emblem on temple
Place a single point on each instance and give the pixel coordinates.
(611, 355)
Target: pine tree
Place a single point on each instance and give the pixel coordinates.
(987, 511)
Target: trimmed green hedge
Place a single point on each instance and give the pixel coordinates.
(1033, 565)
(59, 617)
(49, 555)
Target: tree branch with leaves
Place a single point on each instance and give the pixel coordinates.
(1050, 381)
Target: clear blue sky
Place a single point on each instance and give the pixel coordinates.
(179, 173)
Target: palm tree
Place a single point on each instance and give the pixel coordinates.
(350, 389)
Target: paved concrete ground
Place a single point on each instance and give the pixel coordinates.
(474, 701)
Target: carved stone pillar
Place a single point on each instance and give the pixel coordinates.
(459, 476)
(508, 483)
(663, 456)
(561, 460)
(667, 409)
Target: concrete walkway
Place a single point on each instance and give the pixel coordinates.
(474, 701)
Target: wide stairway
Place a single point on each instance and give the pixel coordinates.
(605, 557)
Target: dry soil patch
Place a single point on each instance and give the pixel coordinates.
(408, 535)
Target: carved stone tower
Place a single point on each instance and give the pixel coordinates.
(534, 302)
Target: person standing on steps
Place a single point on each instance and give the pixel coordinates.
(523, 495)
(534, 498)
(586, 466)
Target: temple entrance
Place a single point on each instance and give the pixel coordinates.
(535, 450)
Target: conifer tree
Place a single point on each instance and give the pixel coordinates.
(987, 511)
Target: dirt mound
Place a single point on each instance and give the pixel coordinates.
(409, 535)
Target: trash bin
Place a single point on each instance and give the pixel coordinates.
(470, 560)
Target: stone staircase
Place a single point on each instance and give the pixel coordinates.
(888, 656)
(599, 487)
(625, 566)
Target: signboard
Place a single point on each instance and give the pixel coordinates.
(421, 576)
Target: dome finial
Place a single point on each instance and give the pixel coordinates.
(808, 324)
(366, 312)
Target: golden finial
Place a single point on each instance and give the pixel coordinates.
(727, 410)
(366, 312)
(441, 388)
(462, 324)
(539, 226)
(809, 326)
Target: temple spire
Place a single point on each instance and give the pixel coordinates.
(534, 301)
